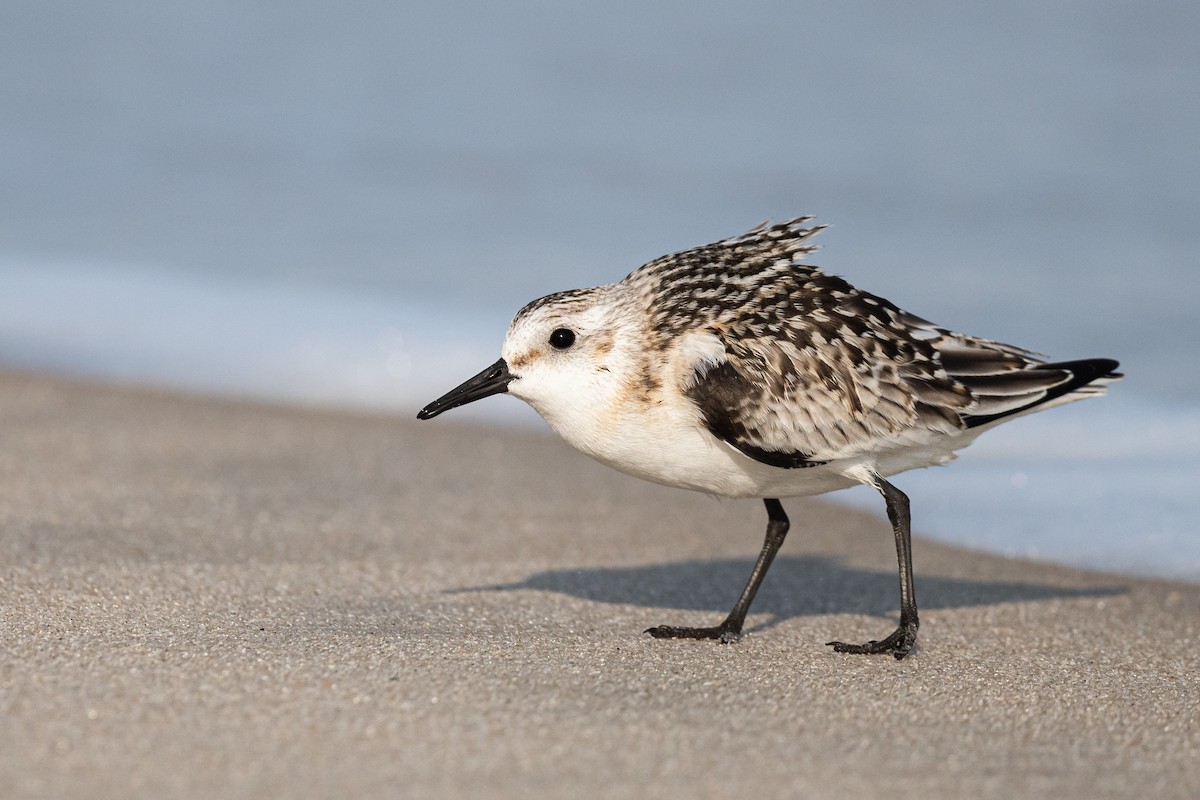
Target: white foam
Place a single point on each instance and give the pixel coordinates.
(1107, 483)
(214, 334)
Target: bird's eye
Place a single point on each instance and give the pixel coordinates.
(562, 338)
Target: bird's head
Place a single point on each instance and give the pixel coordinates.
(564, 354)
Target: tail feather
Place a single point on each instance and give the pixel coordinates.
(1017, 391)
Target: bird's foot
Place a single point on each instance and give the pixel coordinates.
(898, 644)
(725, 633)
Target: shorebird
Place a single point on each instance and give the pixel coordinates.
(738, 370)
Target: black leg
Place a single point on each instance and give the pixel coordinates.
(731, 629)
(903, 638)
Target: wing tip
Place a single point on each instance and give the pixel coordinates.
(1088, 377)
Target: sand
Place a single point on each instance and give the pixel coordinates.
(204, 598)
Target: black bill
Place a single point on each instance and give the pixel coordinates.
(493, 380)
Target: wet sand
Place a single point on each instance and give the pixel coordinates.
(205, 598)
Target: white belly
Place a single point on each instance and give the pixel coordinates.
(675, 450)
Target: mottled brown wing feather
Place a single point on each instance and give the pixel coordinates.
(816, 370)
(792, 406)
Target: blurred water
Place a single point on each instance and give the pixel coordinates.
(344, 203)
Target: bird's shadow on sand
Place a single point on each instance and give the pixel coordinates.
(796, 586)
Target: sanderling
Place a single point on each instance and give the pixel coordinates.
(738, 370)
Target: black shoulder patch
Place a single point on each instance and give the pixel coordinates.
(723, 395)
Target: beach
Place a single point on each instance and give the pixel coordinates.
(215, 598)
